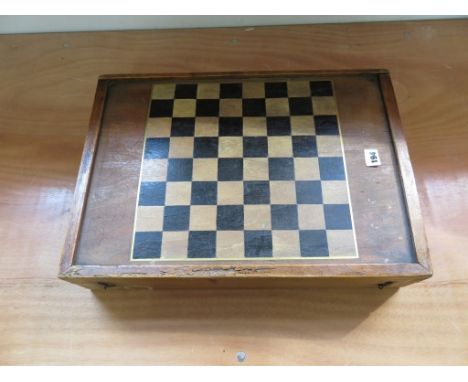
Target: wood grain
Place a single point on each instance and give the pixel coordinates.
(406, 171)
(109, 212)
(84, 174)
(47, 84)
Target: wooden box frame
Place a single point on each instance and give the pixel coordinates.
(245, 274)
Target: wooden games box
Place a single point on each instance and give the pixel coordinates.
(246, 180)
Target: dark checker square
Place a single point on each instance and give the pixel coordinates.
(313, 243)
(230, 169)
(206, 147)
(204, 193)
(230, 126)
(179, 170)
(147, 245)
(201, 244)
(256, 192)
(326, 125)
(207, 108)
(152, 194)
(230, 91)
(331, 168)
(300, 106)
(281, 168)
(156, 148)
(309, 192)
(321, 88)
(230, 218)
(258, 244)
(161, 108)
(182, 127)
(276, 90)
(278, 126)
(255, 147)
(254, 107)
(186, 91)
(176, 218)
(284, 216)
(304, 146)
(337, 216)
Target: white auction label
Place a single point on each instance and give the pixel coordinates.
(372, 157)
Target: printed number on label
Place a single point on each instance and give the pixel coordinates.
(372, 157)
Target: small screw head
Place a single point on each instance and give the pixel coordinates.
(241, 356)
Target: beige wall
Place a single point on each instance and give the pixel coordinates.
(37, 24)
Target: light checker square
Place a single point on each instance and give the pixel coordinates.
(243, 170)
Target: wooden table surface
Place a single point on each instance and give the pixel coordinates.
(47, 84)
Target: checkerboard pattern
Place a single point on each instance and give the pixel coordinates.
(243, 170)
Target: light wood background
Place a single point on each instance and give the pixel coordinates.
(47, 83)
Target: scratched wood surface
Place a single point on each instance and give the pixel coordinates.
(47, 84)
